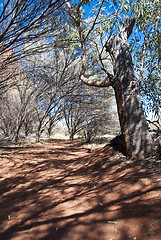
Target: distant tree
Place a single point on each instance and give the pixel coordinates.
(17, 107)
(86, 109)
(101, 117)
(73, 113)
(53, 76)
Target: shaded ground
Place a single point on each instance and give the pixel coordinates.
(58, 190)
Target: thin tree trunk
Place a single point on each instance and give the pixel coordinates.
(71, 136)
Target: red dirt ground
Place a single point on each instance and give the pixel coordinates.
(57, 190)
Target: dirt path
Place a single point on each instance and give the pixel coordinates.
(60, 191)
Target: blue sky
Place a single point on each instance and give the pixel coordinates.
(1, 5)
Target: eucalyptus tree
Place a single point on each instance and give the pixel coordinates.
(114, 27)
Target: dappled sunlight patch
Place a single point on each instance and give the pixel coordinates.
(60, 191)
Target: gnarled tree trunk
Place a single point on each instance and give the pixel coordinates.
(132, 120)
(133, 125)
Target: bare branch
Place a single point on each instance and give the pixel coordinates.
(94, 22)
(108, 80)
(70, 10)
(142, 60)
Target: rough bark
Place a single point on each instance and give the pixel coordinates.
(134, 128)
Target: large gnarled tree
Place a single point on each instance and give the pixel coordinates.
(124, 82)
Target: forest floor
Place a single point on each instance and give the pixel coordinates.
(60, 190)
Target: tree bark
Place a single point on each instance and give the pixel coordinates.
(71, 136)
(133, 124)
(134, 128)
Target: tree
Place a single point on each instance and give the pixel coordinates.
(53, 76)
(22, 23)
(86, 110)
(123, 80)
(73, 112)
(18, 108)
(132, 121)
(18, 105)
(101, 117)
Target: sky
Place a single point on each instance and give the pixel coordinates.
(1, 6)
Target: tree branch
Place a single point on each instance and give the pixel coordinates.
(104, 83)
(94, 20)
(109, 79)
(126, 28)
(142, 60)
(70, 10)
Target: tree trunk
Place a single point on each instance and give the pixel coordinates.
(134, 129)
(71, 136)
(17, 132)
(132, 120)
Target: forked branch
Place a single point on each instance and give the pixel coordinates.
(108, 80)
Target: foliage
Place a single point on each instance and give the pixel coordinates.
(144, 43)
(53, 75)
(147, 52)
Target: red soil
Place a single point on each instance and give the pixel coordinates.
(57, 190)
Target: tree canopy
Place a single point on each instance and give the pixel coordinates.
(106, 18)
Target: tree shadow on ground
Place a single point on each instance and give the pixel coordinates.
(60, 192)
